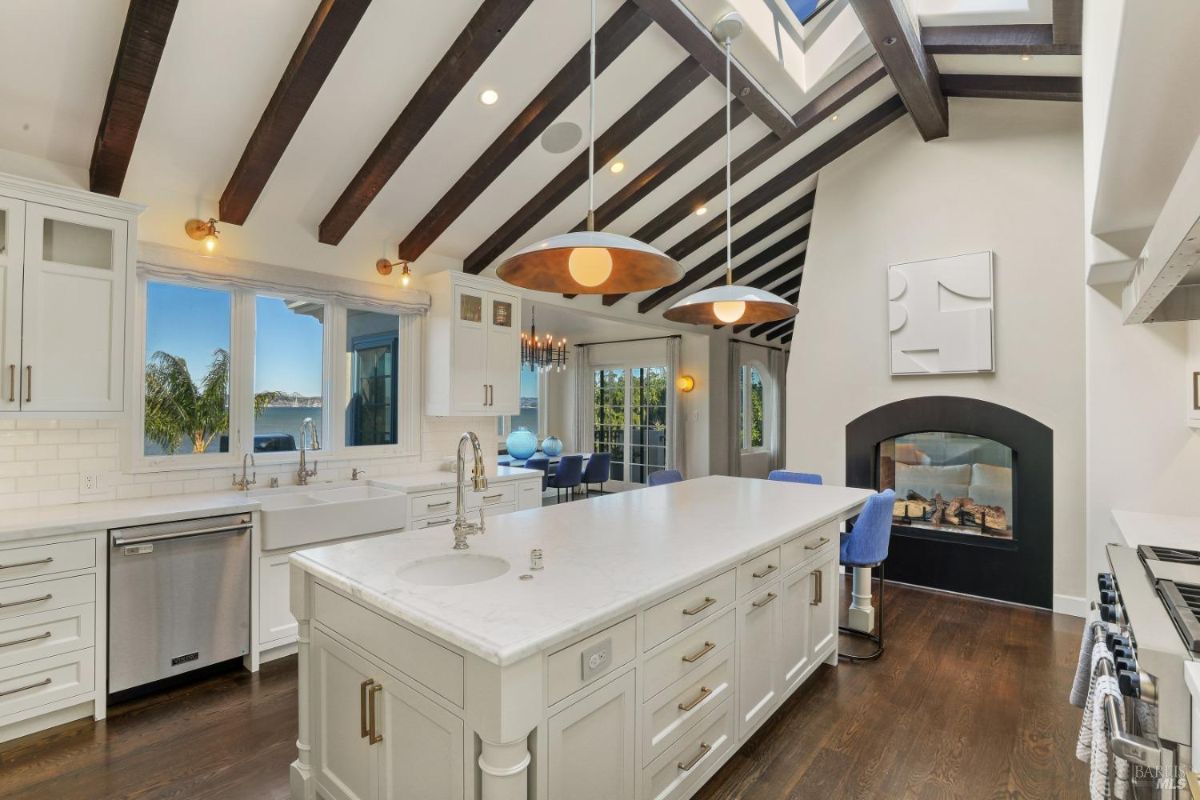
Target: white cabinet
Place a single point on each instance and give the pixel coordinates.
(799, 593)
(758, 663)
(275, 621)
(592, 745)
(473, 347)
(12, 241)
(823, 622)
(422, 744)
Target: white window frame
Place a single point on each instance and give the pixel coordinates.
(628, 366)
(744, 407)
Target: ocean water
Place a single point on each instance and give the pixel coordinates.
(274, 420)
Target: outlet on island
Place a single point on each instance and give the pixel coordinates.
(596, 659)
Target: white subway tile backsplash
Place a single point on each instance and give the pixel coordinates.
(77, 451)
(58, 437)
(37, 452)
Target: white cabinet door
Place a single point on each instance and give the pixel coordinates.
(795, 642)
(823, 609)
(344, 762)
(73, 314)
(12, 240)
(758, 657)
(591, 745)
(275, 620)
(503, 355)
(421, 751)
(468, 386)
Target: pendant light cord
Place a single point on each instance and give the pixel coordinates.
(728, 169)
(591, 217)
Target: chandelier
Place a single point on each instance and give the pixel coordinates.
(542, 354)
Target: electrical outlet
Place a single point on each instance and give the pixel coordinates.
(596, 659)
(90, 482)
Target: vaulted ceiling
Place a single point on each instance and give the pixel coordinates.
(328, 133)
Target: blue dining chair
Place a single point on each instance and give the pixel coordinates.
(665, 476)
(866, 545)
(542, 463)
(598, 470)
(568, 476)
(795, 477)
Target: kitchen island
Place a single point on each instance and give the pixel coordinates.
(666, 626)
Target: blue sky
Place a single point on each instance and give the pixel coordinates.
(192, 322)
(802, 8)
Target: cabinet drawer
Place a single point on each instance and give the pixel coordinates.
(47, 633)
(36, 683)
(436, 504)
(426, 662)
(495, 495)
(495, 511)
(565, 668)
(26, 598)
(673, 713)
(46, 559)
(809, 545)
(679, 770)
(431, 522)
(693, 651)
(688, 608)
(758, 571)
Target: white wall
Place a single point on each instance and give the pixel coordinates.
(1009, 180)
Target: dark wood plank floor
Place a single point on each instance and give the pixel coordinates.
(969, 701)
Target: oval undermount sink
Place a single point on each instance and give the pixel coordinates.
(454, 569)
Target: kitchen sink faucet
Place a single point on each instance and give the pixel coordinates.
(304, 473)
(462, 528)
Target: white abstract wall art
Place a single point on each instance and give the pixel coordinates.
(940, 315)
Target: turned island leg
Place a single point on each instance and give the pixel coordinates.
(302, 785)
(505, 770)
(862, 614)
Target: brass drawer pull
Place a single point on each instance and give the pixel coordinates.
(374, 737)
(429, 523)
(41, 599)
(691, 612)
(701, 653)
(29, 384)
(46, 560)
(438, 505)
(818, 588)
(760, 603)
(12, 383)
(697, 700)
(704, 748)
(363, 730)
(39, 684)
(770, 568)
(818, 544)
(493, 496)
(27, 640)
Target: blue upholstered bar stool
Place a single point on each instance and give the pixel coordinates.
(665, 476)
(795, 477)
(867, 546)
(542, 463)
(568, 476)
(597, 471)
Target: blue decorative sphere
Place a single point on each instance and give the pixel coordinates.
(521, 444)
(552, 446)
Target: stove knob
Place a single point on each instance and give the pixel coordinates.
(1106, 581)
(1109, 612)
(1108, 596)
(1125, 664)
(1115, 640)
(1123, 651)
(1130, 683)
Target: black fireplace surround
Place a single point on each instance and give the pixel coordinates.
(1019, 570)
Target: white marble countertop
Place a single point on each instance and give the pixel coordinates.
(1162, 530)
(604, 557)
(441, 479)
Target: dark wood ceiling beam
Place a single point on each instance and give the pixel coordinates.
(823, 106)
(1063, 88)
(147, 25)
(760, 329)
(665, 94)
(318, 50)
(679, 23)
(741, 244)
(486, 29)
(1067, 16)
(752, 265)
(898, 43)
(787, 269)
(995, 40)
(617, 33)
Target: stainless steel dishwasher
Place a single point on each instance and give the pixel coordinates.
(178, 598)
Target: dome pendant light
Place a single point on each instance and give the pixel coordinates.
(723, 305)
(591, 261)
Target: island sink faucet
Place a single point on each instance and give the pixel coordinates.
(308, 427)
(462, 528)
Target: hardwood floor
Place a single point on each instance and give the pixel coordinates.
(968, 701)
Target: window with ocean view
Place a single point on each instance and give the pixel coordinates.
(289, 342)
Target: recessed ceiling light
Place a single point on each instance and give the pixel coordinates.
(617, 167)
(834, 118)
(701, 211)
(489, 97)
(1026, 57)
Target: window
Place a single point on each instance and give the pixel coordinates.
(531, 400)
(372, 356)
(289, 354)
(609, 418)
(630, 420)
(750, 408)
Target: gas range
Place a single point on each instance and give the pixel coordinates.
(1176, 576)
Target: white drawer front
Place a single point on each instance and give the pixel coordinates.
(808, 546)
(682, 768)
(495, 511)
(26, 598)
(431, 522)
(693, 651)
(47, 633)
(758, 571)
(46, 559)
(564, 669)
(438, 504)
(687, 608)
(495, 495)
(673, 713)
(35, 683)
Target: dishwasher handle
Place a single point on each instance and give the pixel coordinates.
(168, 531)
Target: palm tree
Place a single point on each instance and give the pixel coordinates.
(177, 408)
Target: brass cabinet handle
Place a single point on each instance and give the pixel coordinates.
(44, 682)
(770, 568)
(491, 395)
(437, 505)
(429, 523)
(493, 496)
(374, 737)
(28, 384)
(704, 748)
(27, 640)
(46, 560)
(691, 612)
(12, 383)
(697, 700)
(701, 653)
(818, 588)
(41, 599)
(363, 730)
(760, 603)
(818, 544)
(485, 395)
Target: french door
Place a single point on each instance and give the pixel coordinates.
(630, 421)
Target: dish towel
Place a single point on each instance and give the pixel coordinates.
(1083, 746)
(1083, 673)
(1109, 775)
